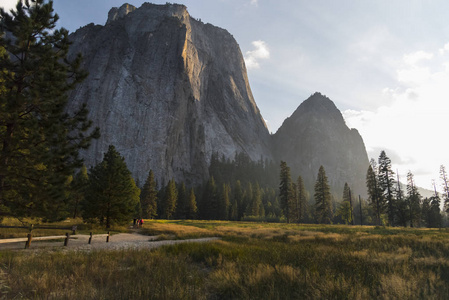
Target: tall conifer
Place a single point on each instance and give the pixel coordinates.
(192, 207)
(238, 200)
(78, 191)
(386, 184)
(112, 195)
(39, 140)
(375, 194)
(181, 205)
(413, 201)
(148, 197)
(323, 200)
(445, 184)
(170, 200)
(286, 192)
(345, 210)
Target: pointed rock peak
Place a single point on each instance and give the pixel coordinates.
(318, 102)
(317, 107)
(118, 13)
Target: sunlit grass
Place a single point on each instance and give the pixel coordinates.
(251, 261)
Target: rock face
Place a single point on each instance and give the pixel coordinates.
(167, 91)
(316, 134)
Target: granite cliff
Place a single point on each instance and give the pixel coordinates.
(167, 91)
(316, 134)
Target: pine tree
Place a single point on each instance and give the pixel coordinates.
(256, 201)
(345, 209)
(191, 207)
(78, 191)
(323, 201)
(294, 213)
(209, 203)
(238, 199)
(148, 197)
(445, 183)
(39, 140)
(402, 214)
(425, 212)
(434, 220)
(386, 183)
(112, 194)
(413, 201)
(224, 203)
(181, 205)
(376, 198)
(302, 200)
(234, 211)
(170, 200)
(286, 192)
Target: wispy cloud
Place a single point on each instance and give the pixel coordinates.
(255, 2)
(444, 49)
(416, 57)
(414, 121)
(260, 52)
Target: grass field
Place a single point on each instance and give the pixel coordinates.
(251, 261)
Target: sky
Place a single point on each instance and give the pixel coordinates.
(384, 63)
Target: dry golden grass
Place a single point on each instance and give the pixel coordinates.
(176, 230)
(252, 261)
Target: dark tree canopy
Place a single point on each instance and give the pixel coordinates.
(413, 201)
(112, 195)
(39, 140)
(301, 200)
(192, 209)
(376, 198)
(148, 197)
(386, 185)
(286, 192)
(323, 201)
(170, 199)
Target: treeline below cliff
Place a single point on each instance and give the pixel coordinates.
(245, 190)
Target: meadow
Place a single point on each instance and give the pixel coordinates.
(251, 261)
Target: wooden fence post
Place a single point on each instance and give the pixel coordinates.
(107, 238)
(28, 242)
(90, 238)
(66, 242)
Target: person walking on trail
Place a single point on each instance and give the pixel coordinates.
(140, 222)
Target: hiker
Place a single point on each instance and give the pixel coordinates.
(140, 223)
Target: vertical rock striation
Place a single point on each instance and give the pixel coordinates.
(167, 91)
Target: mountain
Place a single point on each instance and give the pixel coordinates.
(316, 134)
(167, 91)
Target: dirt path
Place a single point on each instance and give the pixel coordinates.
(119, 241)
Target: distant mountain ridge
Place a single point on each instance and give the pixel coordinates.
(168, 91)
